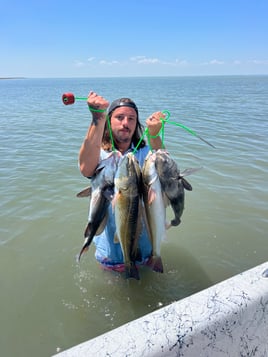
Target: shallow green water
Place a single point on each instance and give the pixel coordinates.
(49, 302)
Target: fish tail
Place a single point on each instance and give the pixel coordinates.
(83, 250)
(132, 272)
(155, 262)
(88, 240)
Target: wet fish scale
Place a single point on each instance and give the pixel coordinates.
(154, 209)
(127, 211)
(101, 193)
(171, 183)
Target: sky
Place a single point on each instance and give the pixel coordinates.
(116, 38)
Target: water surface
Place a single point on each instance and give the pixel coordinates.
(48, 301)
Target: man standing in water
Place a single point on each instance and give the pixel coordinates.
(127, 132)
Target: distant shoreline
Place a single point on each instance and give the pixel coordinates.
(147, 77)
(12, 78)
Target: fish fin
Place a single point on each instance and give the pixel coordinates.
(151, 195)
(99, 168)
(87, 230)
(102, 225)
(84, 193)
(186, 184)
(116, 239)
(114, 200)
(132, 271)
(155, 262)
(189, 171)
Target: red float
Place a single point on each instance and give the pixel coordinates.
(68, 98)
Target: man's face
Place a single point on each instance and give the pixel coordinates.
(123, 124)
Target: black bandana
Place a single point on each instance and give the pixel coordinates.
(119, 103)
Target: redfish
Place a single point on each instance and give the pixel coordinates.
(127, 210)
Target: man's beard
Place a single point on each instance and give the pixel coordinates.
(121, 139)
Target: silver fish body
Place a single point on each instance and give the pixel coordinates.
(127, 205)
(155, 210)
(101, 194)
(173, 183)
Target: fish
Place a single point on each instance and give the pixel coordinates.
(127, 211)
(155, 210)
(101, 195)
(173, 183)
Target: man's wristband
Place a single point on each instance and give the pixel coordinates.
(96, 110)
